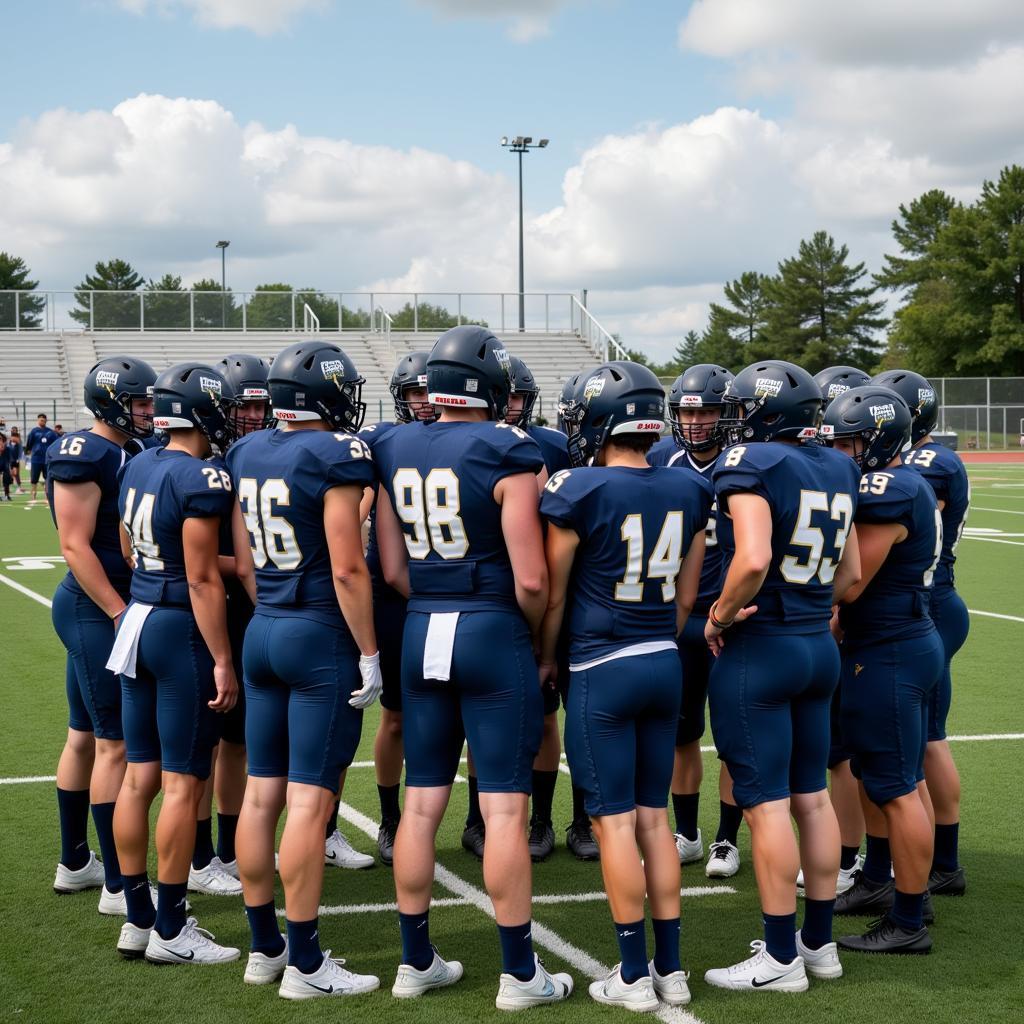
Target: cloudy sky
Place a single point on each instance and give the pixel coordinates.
(353, 145)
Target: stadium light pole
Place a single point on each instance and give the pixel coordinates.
(520, 144)
(223, 246)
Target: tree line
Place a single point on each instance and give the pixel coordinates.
(954, 285)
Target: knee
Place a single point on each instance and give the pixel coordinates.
(81, 744)
(391, 724)
(110, 751)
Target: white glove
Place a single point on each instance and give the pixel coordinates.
(369, 669)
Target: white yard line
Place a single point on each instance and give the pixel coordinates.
(994, 540)
(996, 615)
(45, 601)
(1006, 511)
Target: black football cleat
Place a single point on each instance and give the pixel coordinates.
(542, 840)
(866, 897)
(885, 936)
(580, 840)
(386, 840)
(473, 840)
(947, 883)
(927, 910)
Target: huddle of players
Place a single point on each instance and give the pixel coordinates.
(592, 587)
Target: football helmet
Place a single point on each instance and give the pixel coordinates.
(194, 395)
(771, 399)
(700, 387)
(565, 398)
(876, 416)
(247, 376)
(615, 398)
(834, 380)
(523, 383)
(410, 372)
(110, 388)
(918, 393)
(468, 368)
(315, 380)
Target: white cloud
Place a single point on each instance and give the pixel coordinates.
(526, 19)
(264, 17)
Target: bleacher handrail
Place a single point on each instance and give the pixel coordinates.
(601, 342)
(310, 321)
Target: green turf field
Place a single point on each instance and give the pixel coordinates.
(57, 957)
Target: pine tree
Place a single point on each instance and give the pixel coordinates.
(735, 333)
(103, 312)
(915, 232)
(14, 278)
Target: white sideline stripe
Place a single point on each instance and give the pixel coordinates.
(45, 601)
(1005, 511)
(542, 935)
(996, 615)
(993, 540)
(545, 899)
(986, 737)
(27, 778)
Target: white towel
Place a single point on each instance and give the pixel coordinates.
(437, 651)
(125, 651)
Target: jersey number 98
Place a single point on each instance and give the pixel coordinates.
(430, 506)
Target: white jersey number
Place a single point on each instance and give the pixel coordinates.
(270, 535)
(803, 569)
(431, 507)
(664, 561)
(138, 522)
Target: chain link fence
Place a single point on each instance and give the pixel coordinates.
(986, 413)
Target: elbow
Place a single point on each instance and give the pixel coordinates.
(348, 576)
(757, 563)
(393, 576)
(199, 585)
(534, 584)
(245, 574)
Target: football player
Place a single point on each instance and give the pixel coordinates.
(786, 507)
(408, 388)
(82, 491)
(174, 656)
(310, 655)
(892, 660)
(695, 404)
(461, 535)
(942, 468)
(834, 380)
(631, 537)
(37, 444)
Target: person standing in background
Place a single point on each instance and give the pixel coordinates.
(39, 439)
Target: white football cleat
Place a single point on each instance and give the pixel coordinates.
(213, 880)
(330, 979)
(723, 860)
(261, 969)
(541, 989)
(671, 988)
(338, 852)
(231, 867)
(820, 963)
(690, 850)
(638, 996)
(114, 904)
(192, 945)
(760, 973)
(132, 942)
(844, 880)
(89, 876)
(409, 982)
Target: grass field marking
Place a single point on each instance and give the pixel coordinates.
(1003, 511)
(986, 737)
(21, 780)
(996, 615)
(995, 540)
(543, 936)
(24, 590)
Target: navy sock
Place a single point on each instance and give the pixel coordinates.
(684, 805)
(202, 852)
(878, 859)
(389, 802)
(947, 839)
(227, 824)
(543, 794)
(848, 857)
(73, 808)
(666, 945)
(416, 949)
(266, 936)
(632, 950)
(816, 930)
(304, 950)
(332, 821)
(780, 936)
(139, 900)
(103, 819)
(729, 818)
(517, 951)
(579, 810)
(907, 910)
(170, 908)
(473, 816)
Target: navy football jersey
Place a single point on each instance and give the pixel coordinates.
(943, 469)
(40, 440)
(553, 447)
(664, 451)
(635, 527)
(812, 493)
(441, 479)
(894, 605)
(160, 489)
(371, 435)
(281, 478)
(85, 457)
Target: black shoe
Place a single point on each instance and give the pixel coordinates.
(386, 840)
(580, 840)
(473, 840)
(885, 936)
(866, 897)
(542, 840)
(927, 910)
(947, 883)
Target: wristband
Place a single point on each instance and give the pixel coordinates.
(714, 620)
